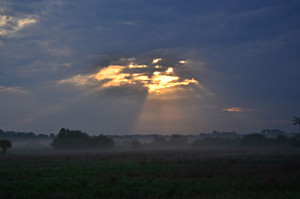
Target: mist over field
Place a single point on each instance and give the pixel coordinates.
(137, 171)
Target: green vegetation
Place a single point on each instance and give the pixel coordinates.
(4, 145)
(153, 174)
(219, 165)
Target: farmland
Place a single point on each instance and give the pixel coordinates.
(152, 173)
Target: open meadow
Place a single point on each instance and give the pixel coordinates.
(152, 173)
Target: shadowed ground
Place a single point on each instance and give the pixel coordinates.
(176, 173)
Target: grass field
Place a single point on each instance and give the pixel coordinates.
(177, 173)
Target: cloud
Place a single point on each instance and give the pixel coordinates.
(279, 121)
(10, 24)
(48, 66)
(155, 76)
(55, 50)
(57, 2)
(237, 109)
(13, 90)
(27, 120)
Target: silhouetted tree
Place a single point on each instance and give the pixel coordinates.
(76, 139)
(101, 141)
(296, 120)
(12, 135)
(177, 139)
(4, 145)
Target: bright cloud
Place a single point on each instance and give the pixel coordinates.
(156, 60)
(10, 25)
(183, 61)
(12, 90)
(154, 79)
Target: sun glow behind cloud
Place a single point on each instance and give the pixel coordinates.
(237, 109)
(154, 79)
(166, 81)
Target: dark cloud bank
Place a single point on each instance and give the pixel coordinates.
(245, 54)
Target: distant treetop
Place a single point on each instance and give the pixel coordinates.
(296, 120)
(75, 139)
(4, 145)
(13, 135)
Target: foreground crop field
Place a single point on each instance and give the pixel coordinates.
(185, 173)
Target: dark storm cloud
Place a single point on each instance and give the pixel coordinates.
(245, 52)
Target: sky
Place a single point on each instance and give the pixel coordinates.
(149, 66)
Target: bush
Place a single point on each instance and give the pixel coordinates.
(295, 140)
(159, 140)
(178, 140)
(101, 141)
(255, 139)
(4, 145)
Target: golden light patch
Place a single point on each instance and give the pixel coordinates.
(170, 70)
(80, 80)
(183, 61)
(132, 65)
(155, 61)
(116, 75)
(156, 73)
(237, 109)
(24, 22)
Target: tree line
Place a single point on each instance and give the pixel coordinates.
(75, 139)
(250, 140)
(14, 135)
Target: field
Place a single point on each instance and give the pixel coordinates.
(152, 173)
